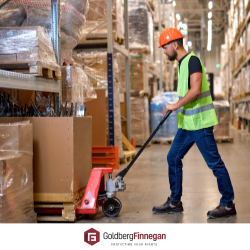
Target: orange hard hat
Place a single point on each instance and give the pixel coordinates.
(169, 35)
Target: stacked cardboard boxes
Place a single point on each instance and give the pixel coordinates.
(96, 17)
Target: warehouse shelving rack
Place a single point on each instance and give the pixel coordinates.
(110, 46)
(244, 118)
(12, 80)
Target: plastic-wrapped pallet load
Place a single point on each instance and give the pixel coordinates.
(27, 44)
(12, 15)
(170, 127)
(222, 110)
(139, 34)
(38, 13)
(138, 73)
(139, 119)
(140, 27)
(16, 173)
(95, 66)
(76, 87)
(97, 15)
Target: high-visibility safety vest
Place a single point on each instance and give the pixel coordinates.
(200, 113)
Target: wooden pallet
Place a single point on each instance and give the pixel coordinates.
(163, 141)
(32, 69)
(103, 37)
(138, 93)
(221, 139)
(62, 211)
(139, 51)
(128, 156)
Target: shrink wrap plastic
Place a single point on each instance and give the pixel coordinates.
(140, 26)
(139, 119)
(12, 15)
(222, 110)
(170, 126)
(16, 173)
(76, 86)
(95, 66)
(38, 13)
(28, 44)
(94, 19)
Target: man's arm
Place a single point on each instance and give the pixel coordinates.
(192, 94)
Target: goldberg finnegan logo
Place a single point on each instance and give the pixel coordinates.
(91, 236)
(133, 236)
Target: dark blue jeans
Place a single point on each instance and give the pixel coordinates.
(204, 139)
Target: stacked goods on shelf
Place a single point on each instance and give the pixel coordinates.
(16, 173)
(12, 15)
(138, 73)
(139, 119)
(244, 110)
(222, 110)
(76, 87)
(95, 66)
(38, 13)
(29, 45)
(170, 127)
(140, 28)
(241, 82)
(96, 19)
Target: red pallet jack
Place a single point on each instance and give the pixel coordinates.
(111, 205)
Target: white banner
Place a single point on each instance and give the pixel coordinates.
(124, 236)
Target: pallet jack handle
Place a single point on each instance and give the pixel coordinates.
(125, 170)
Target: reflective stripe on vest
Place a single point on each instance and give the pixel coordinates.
(202, 95)
(197, 110)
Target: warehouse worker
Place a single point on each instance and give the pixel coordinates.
(196, 118)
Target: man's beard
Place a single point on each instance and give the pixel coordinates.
(173, 57)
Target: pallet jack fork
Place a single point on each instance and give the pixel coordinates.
(111, 205)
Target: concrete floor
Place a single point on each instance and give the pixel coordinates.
(148, 186)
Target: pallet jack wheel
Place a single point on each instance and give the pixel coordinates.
(112, 207)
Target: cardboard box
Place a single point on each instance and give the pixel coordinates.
(97, 110)
(62, 156)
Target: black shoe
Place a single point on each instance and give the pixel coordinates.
(222, 212)
(169, 208)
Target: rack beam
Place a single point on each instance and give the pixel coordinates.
(12, 80)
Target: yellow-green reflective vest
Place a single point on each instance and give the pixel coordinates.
(200, 113)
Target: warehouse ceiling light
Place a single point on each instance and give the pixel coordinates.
(189, 43)
(185, 27)
(210, 5)
(178, 16)
(209, 35)
(174, 3)
(210, 14)
(181, 24)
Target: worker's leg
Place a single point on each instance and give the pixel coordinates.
(206, 143)
(183, 141)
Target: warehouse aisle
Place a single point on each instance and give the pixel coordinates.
(147, 186)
